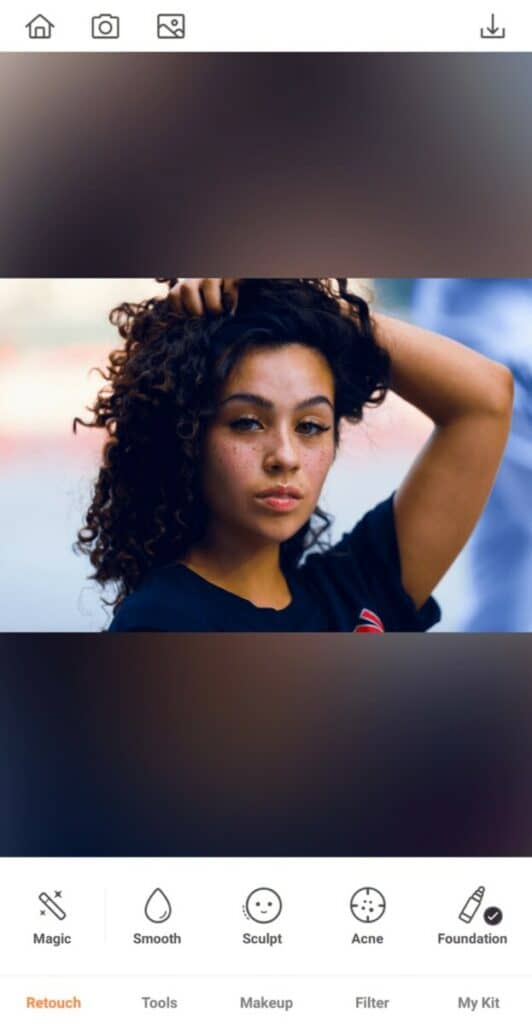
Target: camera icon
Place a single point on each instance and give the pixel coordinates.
(105, 26)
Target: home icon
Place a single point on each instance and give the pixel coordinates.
(39, 27)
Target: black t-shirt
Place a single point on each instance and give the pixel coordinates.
(354, 586)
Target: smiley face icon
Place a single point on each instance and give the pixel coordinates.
(263, 906)
(367, 905)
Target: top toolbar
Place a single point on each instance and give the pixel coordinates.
(280, 25)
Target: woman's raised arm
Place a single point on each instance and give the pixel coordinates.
(469, 398)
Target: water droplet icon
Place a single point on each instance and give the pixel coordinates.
(158, 907)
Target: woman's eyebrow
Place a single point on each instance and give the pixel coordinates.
(315, 400)
(264, 403)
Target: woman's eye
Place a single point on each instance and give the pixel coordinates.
(310, 429)
(245, 423)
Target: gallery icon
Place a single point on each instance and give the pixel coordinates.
(51, 905)
(105, 26)
(158, 907)
(367, 905)
(171, 26)
(263, 906)
(40, 27)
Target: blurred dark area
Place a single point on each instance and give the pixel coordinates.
(226, 745)
(361, 164)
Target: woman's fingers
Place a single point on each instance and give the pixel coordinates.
(196, 296)
(230, 290)
(346, 308)
(186, 297)
(211, 290)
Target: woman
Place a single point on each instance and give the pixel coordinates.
(223, 411)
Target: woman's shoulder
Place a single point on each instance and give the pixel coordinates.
(362, 573)
(371, 539)
(165, 602)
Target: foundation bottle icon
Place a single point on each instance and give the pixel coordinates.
(471, 905)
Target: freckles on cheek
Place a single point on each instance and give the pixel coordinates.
(235, 460)
(319, 465)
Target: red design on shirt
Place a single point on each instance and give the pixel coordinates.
(370, 623)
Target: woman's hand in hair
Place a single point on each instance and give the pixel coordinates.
(198, 296)
(346, 308)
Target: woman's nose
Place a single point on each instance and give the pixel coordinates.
(282, 452)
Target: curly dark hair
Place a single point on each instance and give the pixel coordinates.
(161, 392)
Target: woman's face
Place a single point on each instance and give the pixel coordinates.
(271, 443)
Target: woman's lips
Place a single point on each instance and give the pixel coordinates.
(279, 502)
(282, 498)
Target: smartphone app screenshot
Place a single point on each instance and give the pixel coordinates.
(265, 531)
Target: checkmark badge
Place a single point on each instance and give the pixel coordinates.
(493, 916)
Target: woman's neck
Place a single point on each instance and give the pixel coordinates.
(252, 572)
